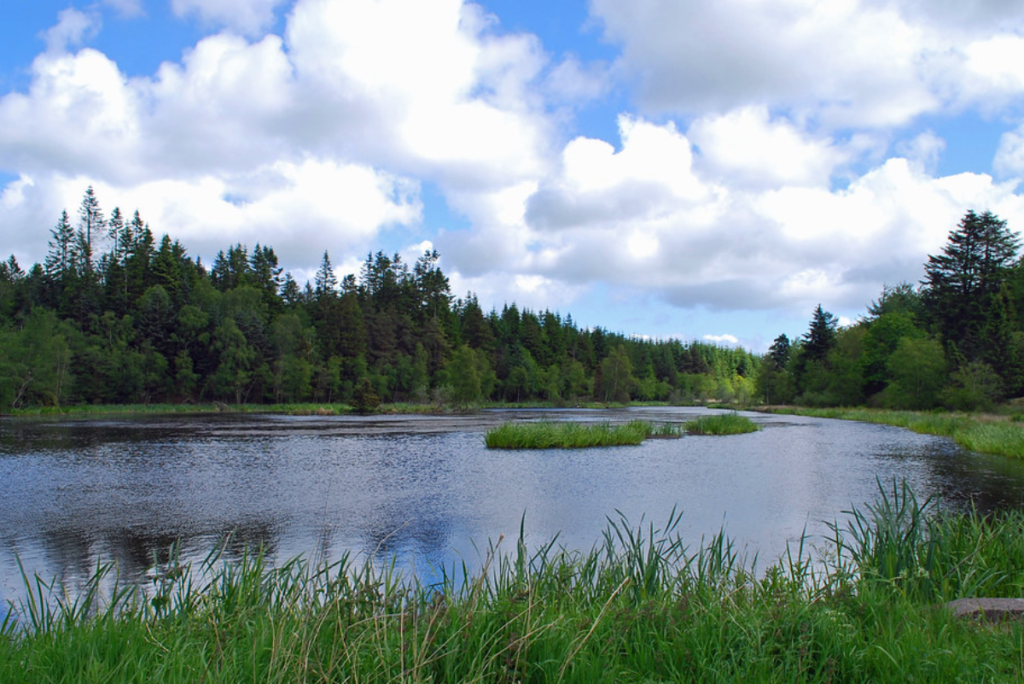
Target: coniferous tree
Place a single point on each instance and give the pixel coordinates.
(90, 222)
(961, 282)
(821, 337)
(325, 282)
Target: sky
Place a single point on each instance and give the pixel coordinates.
(662, 168)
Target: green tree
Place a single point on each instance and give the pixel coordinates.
(961, 281)
(617, 381)
(918, 371)
(470, 376)
(821, 336)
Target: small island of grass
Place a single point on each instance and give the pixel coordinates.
(555, 435)
(551, 435)
(722, 424)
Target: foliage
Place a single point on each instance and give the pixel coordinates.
(145, 321)
(957, 341)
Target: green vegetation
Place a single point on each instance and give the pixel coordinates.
(721, 424)
(640, 607)
(551, 435)
(985, 434)
(121, 316)
(954, 342)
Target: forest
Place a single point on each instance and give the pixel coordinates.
(116, 316)
(954, 341)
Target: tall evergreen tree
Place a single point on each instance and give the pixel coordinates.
(90, 222)
(821, 337)
(60, 258)
(961, 282)
(325, 283)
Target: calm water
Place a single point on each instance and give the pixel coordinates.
(426, 489)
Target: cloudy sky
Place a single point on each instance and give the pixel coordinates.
(670, 168)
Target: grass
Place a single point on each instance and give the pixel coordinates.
(984, 434)
(557, 435)
(641, 606)
(721, 424)
(568, 435)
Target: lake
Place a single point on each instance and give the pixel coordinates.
(425, 491)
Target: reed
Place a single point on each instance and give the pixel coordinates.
(558, 435)
(721, 424)
(640, 606)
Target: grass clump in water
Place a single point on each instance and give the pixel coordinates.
(721, 424)
(554, 435)
(640, 606)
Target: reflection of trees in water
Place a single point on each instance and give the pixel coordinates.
(69, 556)
(73, 554)
(249, 538)
(962, 478)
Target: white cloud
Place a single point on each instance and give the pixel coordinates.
(420, 88)
(433, 94)
(924, 149)
(77, 117)
(319, 139)
(72, 29)
(849, 63)
(1009, 159)
(846, 60)
(300, 209)
(742, 246)
(726, 339)
(748, 148)
(248, 17)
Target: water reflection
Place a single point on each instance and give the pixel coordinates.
(425, 490)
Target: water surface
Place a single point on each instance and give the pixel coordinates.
(425, 489)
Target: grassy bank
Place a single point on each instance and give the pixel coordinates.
(986, 434)
(640, 607)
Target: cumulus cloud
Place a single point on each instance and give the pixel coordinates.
(858, 63)
(299, 208)
(749, 148)
(862, 62)
(746, 246)
(778, 189)
(434, 94)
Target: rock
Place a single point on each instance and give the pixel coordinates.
(988, 608)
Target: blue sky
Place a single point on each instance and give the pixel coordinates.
(693, 170)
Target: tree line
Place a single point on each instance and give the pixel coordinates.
(954, 340)
(116, 316)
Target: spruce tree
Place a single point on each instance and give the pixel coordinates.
(961, 283)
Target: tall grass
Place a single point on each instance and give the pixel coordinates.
(556, 435)
(641, 606)
(721, 424)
